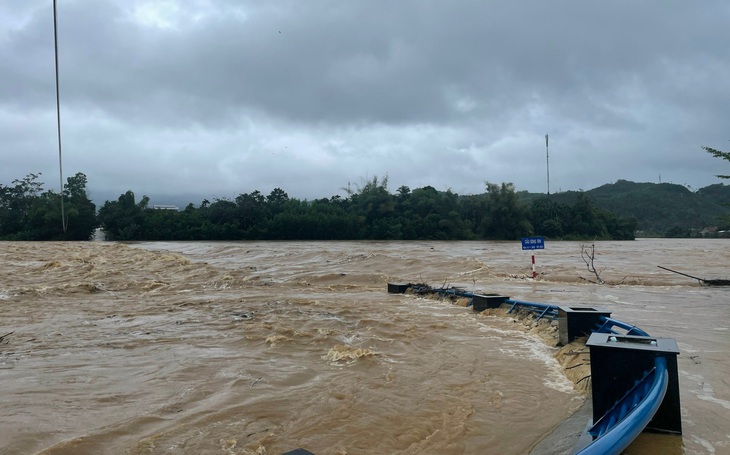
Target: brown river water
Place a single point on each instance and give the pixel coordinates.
(264, 347)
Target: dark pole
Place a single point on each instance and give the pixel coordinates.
(58, 116)
(547, 158)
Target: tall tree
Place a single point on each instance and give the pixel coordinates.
(375, 207)
(29, 213)
(725, 219)
(15, 205)
(81, 212)
(506, 217)
(547, 217)
(718, 154)
(584, 219)
(123, 219)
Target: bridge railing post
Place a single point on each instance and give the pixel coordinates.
(617, 361)
(578, 321)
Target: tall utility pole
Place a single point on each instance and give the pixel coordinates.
(547, 158)
(58, 115)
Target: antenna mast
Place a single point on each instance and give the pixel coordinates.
(547, 158)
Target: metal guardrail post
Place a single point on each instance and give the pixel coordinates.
(578, 321)
(617, 361)
(481, 302)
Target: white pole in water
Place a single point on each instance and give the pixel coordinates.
(534, 274)
(547, 158)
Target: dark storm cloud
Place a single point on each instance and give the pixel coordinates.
(316, 91)
(370, 61)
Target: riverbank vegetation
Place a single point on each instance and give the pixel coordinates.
(371, 213)
(27, 212)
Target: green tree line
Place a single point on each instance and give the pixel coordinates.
(372, 212)
(612, 211)
(27, 212)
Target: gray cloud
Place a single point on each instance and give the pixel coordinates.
(218, 97)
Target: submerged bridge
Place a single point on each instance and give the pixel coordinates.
(634, 376)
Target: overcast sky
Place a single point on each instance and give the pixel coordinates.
(215, 98)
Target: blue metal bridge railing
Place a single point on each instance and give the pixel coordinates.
(630, 415)
(610, 323)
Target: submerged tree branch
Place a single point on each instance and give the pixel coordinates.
(589, 255)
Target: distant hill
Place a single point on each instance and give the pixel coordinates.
(657, 207)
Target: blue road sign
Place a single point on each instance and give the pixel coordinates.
(533, 243)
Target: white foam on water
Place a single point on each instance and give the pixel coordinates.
(712, 399)
(704, 443)
(705, 390)
(533, 348)
(555, 379)
(349, 339)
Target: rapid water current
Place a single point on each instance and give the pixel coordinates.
(264, 347)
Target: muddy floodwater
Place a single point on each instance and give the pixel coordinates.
(264, 347)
